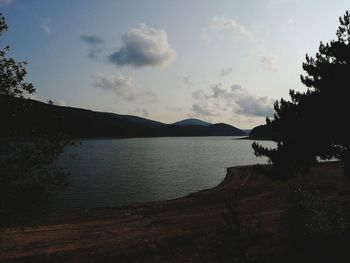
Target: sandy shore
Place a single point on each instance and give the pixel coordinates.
(187, 229)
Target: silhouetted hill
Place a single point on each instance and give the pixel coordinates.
(262, 132)
(142, 121)
(192, 122)
(19, 118)
(34, 115)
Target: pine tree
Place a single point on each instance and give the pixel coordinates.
(313, 124)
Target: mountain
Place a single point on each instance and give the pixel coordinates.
(20, 117)
(192, 122)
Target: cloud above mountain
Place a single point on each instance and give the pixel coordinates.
(124, 87)
(234, 100)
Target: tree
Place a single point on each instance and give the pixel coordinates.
(12, 73)
(314, 124)
(28, 183)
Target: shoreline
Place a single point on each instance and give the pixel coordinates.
(93, 212)
(254, 139)
(186, 229)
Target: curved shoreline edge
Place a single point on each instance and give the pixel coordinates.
(231, 179)
(185, 229)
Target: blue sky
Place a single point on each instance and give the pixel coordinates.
(220, 61)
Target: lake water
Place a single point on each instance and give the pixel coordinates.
(122, 171)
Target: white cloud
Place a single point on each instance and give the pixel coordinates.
(269, 63)
(144, 46)
(124, 87)
(220, 23)
(234, 100)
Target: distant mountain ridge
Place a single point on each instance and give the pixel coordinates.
(192, 122)
(84, 123)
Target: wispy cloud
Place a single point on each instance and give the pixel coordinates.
(92, 40)
(187, 80)
(96, 45)
(45, 27)
(124, 87)
(225, 71)
(269, 63)
(143, 46)
(220, 23)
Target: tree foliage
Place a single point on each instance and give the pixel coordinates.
(28, 182)
(12, 73)
(313, 124)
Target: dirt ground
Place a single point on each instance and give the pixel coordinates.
(188, 229)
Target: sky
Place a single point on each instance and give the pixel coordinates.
(219, 61)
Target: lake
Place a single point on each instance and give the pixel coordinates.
(113, 172)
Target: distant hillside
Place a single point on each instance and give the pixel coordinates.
(192, 122)
(142, 121)
(19, 120)
(219, 129)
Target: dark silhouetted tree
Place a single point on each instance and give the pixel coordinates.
(12, 73)
(314, 124)
(28, 183)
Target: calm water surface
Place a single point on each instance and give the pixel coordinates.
(123, 171)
